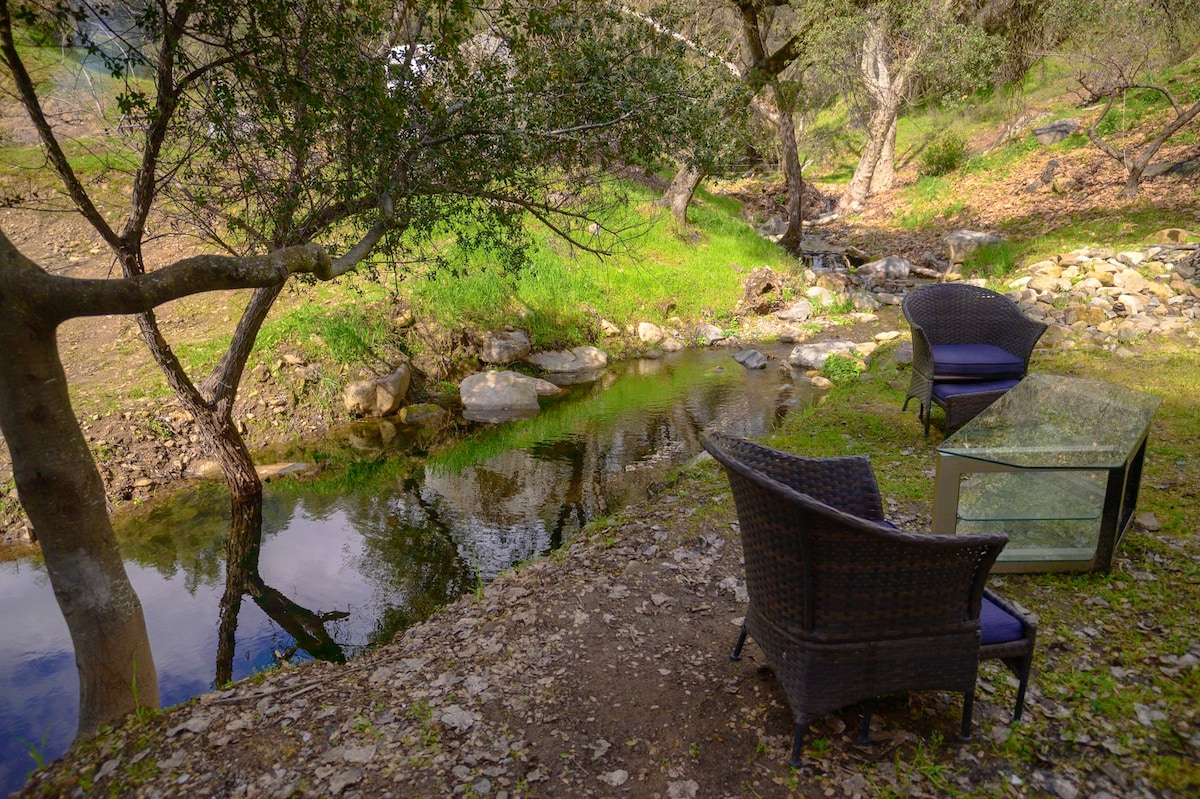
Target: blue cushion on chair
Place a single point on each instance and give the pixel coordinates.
(944, 391)
(999, 626)
(974, 362)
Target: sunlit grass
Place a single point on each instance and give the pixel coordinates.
(662, 271)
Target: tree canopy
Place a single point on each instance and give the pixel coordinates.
(319, 134)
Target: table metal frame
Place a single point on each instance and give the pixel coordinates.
(1120, 502)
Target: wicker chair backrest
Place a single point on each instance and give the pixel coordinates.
(819, 573)
(959, 313)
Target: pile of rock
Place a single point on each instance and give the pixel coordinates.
(1110, 299)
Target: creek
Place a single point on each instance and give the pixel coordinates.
(363, 551)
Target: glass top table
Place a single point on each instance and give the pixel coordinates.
(1055, 464)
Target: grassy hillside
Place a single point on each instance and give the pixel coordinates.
(990, 188)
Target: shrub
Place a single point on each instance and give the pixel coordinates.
(842, 369)
(944, 154)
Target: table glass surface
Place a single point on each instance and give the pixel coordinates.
(1057, 422)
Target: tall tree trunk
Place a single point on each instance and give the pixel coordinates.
(678, 195)
(211, 404)
(854, 199)
(885, 88)
(63, 495)
(884, 174)
(754, 38)
(792, 174)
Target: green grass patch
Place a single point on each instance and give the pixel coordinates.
(993, 261)
(1118, 227)
(931, 203)
(664, 271)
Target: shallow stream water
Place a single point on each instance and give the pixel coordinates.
(349, 560)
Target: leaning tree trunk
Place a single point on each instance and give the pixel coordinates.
(884, 174)
(678, 195)
(792, 174)
(211, 404)
(63, 495)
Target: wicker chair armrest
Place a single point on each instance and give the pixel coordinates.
(1028, 622)
(922, 362)
(1026, 333)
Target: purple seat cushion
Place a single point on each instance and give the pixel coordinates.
(943, 391)
(974, 362)
(999, 626)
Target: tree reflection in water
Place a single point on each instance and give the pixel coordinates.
(242, 578)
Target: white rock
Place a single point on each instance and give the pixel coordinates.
(813, 356)
(650, 333)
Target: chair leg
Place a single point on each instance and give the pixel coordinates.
(798, 744)
(1023, 682)
(968, 705)
(736, 654)
(864, 735)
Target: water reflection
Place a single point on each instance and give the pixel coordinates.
(341, 564)
(242, 579)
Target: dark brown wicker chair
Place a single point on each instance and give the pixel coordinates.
(970, 345)
(844, 606)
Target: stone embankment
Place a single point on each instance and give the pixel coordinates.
(1092, 297)
(1112, 300)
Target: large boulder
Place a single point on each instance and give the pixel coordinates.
(423, 415)
(710, 334)
(504, 346)
(961, 244)
(1172, 235)
(813, 356)
(495, 396)
(891, 267)
(751, 359)
(1174, 169)
(391, 390)
(576, 359)
(358, 397)
(380, 396)
(798, 311)
(773, 228)
(650, 333)
(1055, 131)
